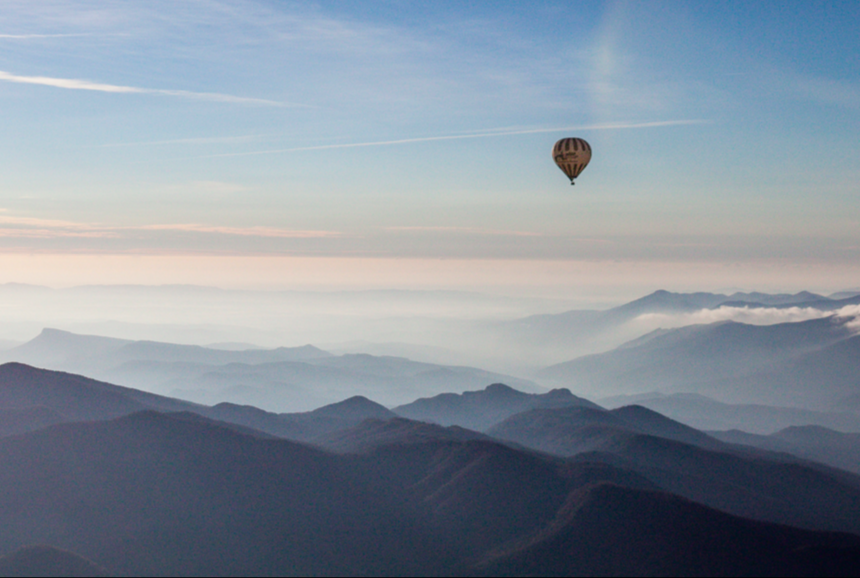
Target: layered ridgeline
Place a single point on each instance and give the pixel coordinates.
(282, 379)
(708, 414)
(838, 449)
(481, 409)
(734, 478)
(33, 398)
(152, 493)
(170, 487)
(810, 364)
(558, 337)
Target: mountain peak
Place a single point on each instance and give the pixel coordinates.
(501, 389)
(355, 407)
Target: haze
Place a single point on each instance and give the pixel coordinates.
(296, 288)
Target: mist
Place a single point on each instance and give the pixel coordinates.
(750, 315)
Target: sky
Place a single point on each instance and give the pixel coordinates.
(403, 144)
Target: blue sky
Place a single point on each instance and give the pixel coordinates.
(724, 133)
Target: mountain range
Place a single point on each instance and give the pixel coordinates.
(282, 379)
(704, 413)
(810, 364)
(580, 332)
(447, 475)
(151, 493)
(765, 486)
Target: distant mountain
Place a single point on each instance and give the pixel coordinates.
(578, 332)
(608, 530)
(768, 487)
(818, 302)
(704, 413)
(479, 410)
(732, 362)
(53, 348)
(9, 344)
(47, 561)
(837, 449)
(279, 380)
(32, 398)
(572, 430)
(57, 349)
(845, 294)
(283, 386)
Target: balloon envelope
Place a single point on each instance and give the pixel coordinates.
(571, 155)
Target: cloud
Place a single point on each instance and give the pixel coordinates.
(77, 84)
(36, 36)
(489, 133)
(257, 231)
(818, 89)
(853, 313)
(465, 230)
(35, 228)
(189, 141)
(748, 315)
(36, 233)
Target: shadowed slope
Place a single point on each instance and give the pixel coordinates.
(47, 561)
(74, 396)
(15, 421)
(155, 494)
(607, 530)
(770, 487)
(177, 494)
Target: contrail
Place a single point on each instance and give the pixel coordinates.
(77, 84)
(69, 35)
(486, 134)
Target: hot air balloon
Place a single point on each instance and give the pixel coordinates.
(571, 155)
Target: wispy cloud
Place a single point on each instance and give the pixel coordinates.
(463, 230)
(37, 36)
(78, 84)
(820, 89)
(241, 231)
(852, 312)
(749, 315)
(36, 228)
(489, 133)
(32, 227)
(188, 141)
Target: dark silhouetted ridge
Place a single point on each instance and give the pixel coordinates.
(608, 530)
(14, 421)
(356, 407)
(74, 396)
(373, 433)
(769, 487)
(47, 561)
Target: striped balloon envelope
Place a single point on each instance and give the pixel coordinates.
(572, 156)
